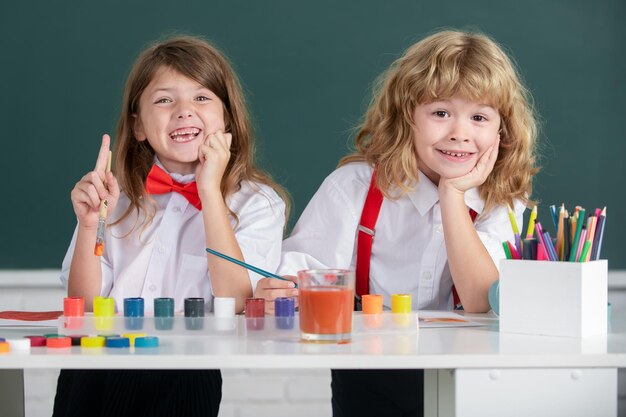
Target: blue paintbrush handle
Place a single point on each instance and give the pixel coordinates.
(247, 266)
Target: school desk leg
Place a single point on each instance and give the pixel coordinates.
(12, 392)
(535, 392)
(438, 393)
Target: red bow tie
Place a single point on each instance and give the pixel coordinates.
(159, 182)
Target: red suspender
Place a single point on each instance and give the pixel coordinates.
(367, 225)
(365, 239)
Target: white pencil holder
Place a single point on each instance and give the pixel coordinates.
(553, 298)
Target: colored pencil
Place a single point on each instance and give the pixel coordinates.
(591, 229)
(597, 240)
(540, 240)
(551, 251)
(555, 218)
(585, 251)
(531, 223)
(567, 238)
(514, 253)
(581, 242)
(560, 233)
(247, 266)
(579, 225)
(507, 251)
(518, 240)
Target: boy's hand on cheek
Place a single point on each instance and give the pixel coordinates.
(476, 177)
(213, 156)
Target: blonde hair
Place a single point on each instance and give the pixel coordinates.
(203, 63)
(439, 67)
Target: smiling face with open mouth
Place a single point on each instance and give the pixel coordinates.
(175, 115)
(451, 135)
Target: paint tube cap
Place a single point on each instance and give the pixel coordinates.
(117, 342)
(224, 306)
(59, 342)
(133, 336)
(284, 307)
(255, 307)
(133, 307)
(92, 342)
(400, 303)
(76, 339)
(103, 307)
(164, 307)
(194, 307)
(36, 341)
(147, 342)
(372, 303)
(73, 306)
(19, 344)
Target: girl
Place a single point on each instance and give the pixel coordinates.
(187, 180)
(421, 206)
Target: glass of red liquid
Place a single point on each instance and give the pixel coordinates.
(326, 304)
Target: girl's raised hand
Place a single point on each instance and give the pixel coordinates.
(476, 176)
(272, 288)
(213, 154)
(93, 188)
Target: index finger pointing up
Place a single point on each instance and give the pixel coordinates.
(103, 155)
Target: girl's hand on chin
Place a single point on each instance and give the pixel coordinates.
(213, 156)
(477, 176)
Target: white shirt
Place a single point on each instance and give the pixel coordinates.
(408, 253)
(168, 257)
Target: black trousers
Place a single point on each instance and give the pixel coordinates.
(389, 393)
(138, 393)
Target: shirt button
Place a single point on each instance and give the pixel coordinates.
(439, 229)
(153, 287)
(161, 249)
(427, 275)
(176, 209)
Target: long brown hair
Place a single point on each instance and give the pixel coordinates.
(197, 59)
(440, 66)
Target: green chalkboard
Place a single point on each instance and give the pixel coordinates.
(307, 68)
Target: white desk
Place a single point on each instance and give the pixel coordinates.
(495, 372)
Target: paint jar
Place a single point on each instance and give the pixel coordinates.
(284, 310)
(224, 311)
(255, 313)
(372, 310)
(401, 309)
(103, 312)
(133, 313)
(164, 313)
(73, 312)
(326, 304)
(194, 313)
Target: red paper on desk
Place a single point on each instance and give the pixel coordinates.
(30, 315)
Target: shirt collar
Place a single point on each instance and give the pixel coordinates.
(179, 178)
(425, 195)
